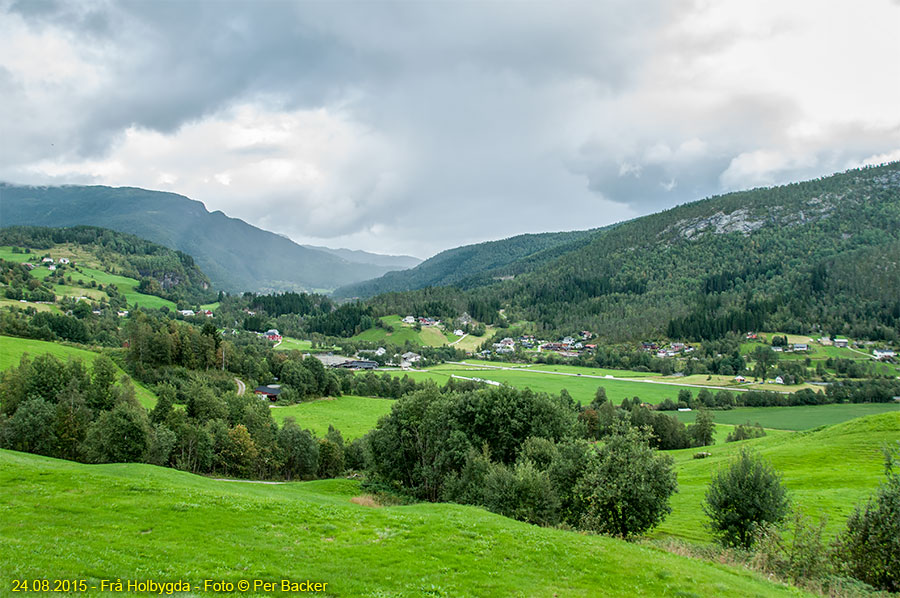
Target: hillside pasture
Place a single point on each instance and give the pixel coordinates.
(12, 349)
(168, 525)
(804, 417)
(827, 471)
(353, 416)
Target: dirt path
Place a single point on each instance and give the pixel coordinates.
(459, 339)
(241, 386)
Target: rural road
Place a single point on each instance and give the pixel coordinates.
(520, 369)
(241, 386)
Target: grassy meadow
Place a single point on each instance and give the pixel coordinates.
(144, 522)
(795, 418)
(353, 416)
(430, 336)
(12, 349)
(827, 471)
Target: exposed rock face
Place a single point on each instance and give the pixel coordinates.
(739, 221)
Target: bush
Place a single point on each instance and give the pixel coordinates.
(626, 489)
(742, 497)
(869, 548)
(745, 432)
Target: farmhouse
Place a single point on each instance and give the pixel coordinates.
(458, 332)
(186, 312)
(330, 359)
(47, 260)
(409, 320)
(883, 353)
(841, 342)
(411, 357)
(739, 378)
(64, 260)
(270, 391)
(800, 347)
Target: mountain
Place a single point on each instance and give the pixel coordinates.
(235, 255)
(820, 256)
(473, 265)
(357, 256)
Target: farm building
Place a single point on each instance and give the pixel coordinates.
(359, 364)
(841, 342)
(270, 391)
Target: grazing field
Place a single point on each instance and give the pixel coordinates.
(127, 287)
(12, 349)
(353, 416)
(582, 388)
(168, 525)
(826, 471)
(795, 418)
(430, 336)
(293, 344)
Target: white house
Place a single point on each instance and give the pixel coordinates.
(47, 260)
(409, 320)
(63, 260)
(841, 342)
(411, 357)
(779, 380)
(883, 353)
(458, 332)
(186, 312)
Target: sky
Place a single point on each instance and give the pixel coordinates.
(409, 127)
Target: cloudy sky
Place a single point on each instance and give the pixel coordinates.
(412, 127)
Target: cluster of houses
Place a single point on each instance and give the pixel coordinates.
(187, 313)
(792, 348)
(670, 350)
(49, 262)
(420, 320)
(566, 347)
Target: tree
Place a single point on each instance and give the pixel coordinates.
(331, 459)
(121, 435)
(300, 450)
(764, 358)
(703, 430)
(742, 497)
(30, 429)
(869, 548)
(626, 489)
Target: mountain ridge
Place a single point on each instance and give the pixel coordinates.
(236, 255)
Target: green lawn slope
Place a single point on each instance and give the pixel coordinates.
(12, 349)
(353, 416)
(94, 522)
(827, 471)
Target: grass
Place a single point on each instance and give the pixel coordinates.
(795, 418)
(94, 522)
(430, 336)
(353, 416)
(12, 349)
(827, 471)
(294, 344)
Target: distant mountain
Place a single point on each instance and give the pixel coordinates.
(356, 256)
(235, 255)
(473, 265)
(821, 256)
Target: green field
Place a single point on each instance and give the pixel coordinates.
(293, 344)
(127, 286)
(826, 471)
(795, 418)
(144, 522)
(430, 336)
(353, 416)
(582, 388)
(12, 349)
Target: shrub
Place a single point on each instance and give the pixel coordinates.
(742, 497)
(745, 432)
(626, 489)
(869, 548)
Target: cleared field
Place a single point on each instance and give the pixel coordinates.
(12, 349)
(582, 388)
(353, 416)
(827, 472)
(569, 369)
(795, 418)
(293, 344)
(126, 286)
(169, 525)
(430, 336)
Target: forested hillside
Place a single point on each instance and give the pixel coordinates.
(235, 255)
(818, 256)
(473, 265)
(161, 271)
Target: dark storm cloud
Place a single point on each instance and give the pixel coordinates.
(409, 126)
